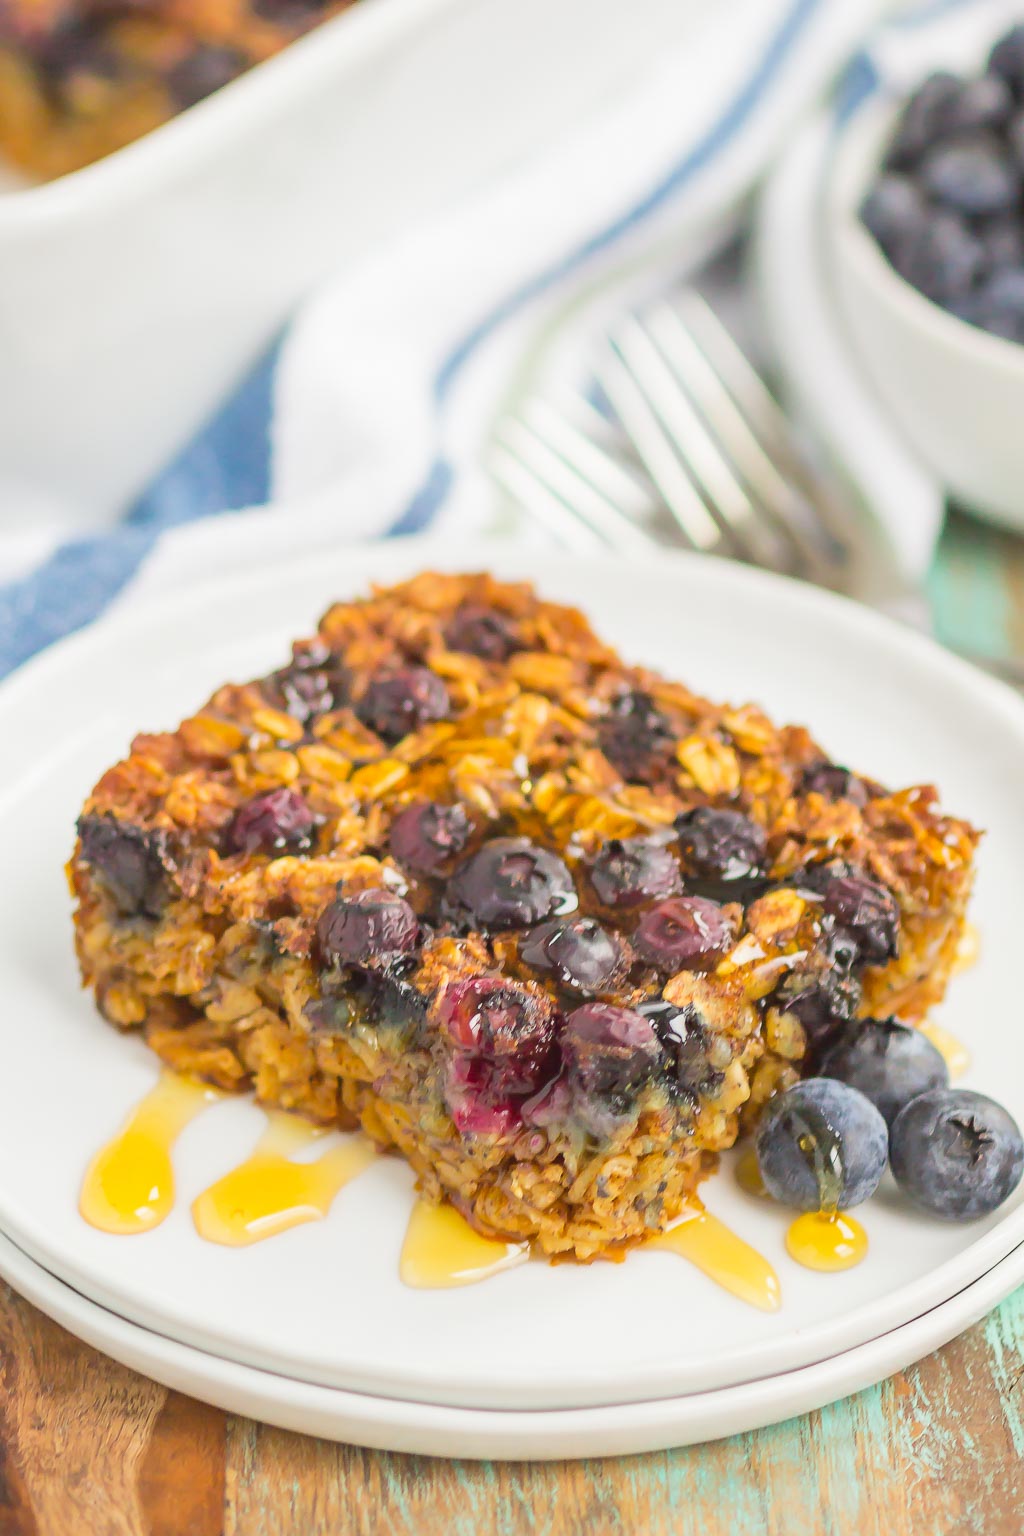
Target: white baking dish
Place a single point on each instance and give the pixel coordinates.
(134, 292)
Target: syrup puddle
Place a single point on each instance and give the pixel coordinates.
(826, 1241)
(129, 1185)
(968, 950)
(955, 1053)
(441, 1249)
(269, 1193)
(725, 1258)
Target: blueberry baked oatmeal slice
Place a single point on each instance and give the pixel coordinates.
(551, 926)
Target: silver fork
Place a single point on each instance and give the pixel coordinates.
(692, 450)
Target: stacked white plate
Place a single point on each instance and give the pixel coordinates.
(313, 1329)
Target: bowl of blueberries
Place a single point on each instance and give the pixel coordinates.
(926, 251)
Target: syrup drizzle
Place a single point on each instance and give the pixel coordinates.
(129, 1185)
(826, 1240)
(725, 1258)
(748, 1175)
(955, 1053)
(441, 1249)
(968, 951)
(269, 1193)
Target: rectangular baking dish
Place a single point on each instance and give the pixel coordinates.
(132, 293)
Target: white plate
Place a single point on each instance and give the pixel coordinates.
(422, 1429)
(885, 699)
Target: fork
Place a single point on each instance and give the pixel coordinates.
(693, 449)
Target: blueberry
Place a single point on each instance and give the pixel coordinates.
(510, 883)
(1000, 304)
(398, 702)
(1007, 60)
(632, 870)
(511, 1030)
(271, 823)
(957, 1153)
(972, 176)
(684, 933)
(723, 852)
(635, 736)
(576, 951)
(869, 912)
(609, 1054)
(371, 925)
(1015, 139)
(833, 783)
(426, 836)
(205, 70)
(888, 1062)
(483, 632)
(821, 1146)
(694, 1061)
(131, 862)
(985, 102)
(942, 258)
(825, 989)
(922, 119)
(1002, 239)
(893, 211)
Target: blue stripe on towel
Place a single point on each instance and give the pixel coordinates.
(227, 465)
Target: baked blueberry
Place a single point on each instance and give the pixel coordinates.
(510, 883)
(202, 71)
(576, 951)
(398, 702)
(130, 860)
(694, 1060)
(833, 783)
(956, 1153)
(635, 736)
(371, 925)
(630, 871)
(483, 632)
(867, 911)
(426, 836)
(825, 989)
(510, 1029)
(684, 933)
(821, 1146)
(274, 822)
(888, 1062)
(1007, 60)
(723, 852)
(609, 1054)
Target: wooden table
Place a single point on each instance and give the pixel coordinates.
(88, 1448)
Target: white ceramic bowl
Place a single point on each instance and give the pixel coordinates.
(134, 292)
(957, 392)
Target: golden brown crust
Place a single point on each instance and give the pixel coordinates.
(219, 963)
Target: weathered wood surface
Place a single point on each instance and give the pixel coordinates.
(88, 1448)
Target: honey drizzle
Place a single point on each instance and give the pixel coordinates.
(269, 1193)
(129, 1185)
(748, 1175)
(726, 1259)
(954, 1052)
(441, 1249)
(826, 1241)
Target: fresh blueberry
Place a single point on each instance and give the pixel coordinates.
(630, 871)
(972, 176)
(1015, 139)
(833, 783)
(942, 258)
(635, 736)
(723, 852)
(893, 211)
(821, 1146)
(371, 925)
(609, 1054)
(957, 1153)
(483, 632)
(869, 912)
(684, 933)
(1000, 304)
(922, 119)
(510, 883)
(510, 1029)
(131, 862)
(576, 951)
(272, 822)
(694, 1059)
(888, 1062)
(1007, 60)
(398, 702)
(985, 102)
(425, 836)
(1002, 238)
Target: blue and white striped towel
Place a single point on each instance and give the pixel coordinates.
(368, 417)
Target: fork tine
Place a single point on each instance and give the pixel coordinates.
(810, 539)
(620, 499)
(657, 453)
(530, 491)
(684, 441)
